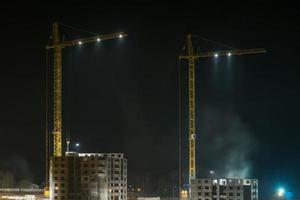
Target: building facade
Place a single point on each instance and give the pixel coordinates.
(83, 176)
(224, 189)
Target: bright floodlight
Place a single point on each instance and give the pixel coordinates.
(280, 192)
(211, 172)
(77, 144)
(229, 54)
(216, 55)
(120, 36)
(98, 39)
(79, 42)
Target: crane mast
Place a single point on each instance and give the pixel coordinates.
(192, 110)
(57, 114)
(192, 57)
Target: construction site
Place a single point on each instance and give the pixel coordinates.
(72, 175)
(75, 175)
(149, 101)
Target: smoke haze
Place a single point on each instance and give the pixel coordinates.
(225, 144)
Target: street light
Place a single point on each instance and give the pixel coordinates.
(77, 145)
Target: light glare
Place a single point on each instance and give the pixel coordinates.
(280, 192)
(229, 54)
(79, 42)
(216, 55)
(98, 39)
(120, 36)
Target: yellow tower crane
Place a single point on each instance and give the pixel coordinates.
(57, 45)
(192, 57)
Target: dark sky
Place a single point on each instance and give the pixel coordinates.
(122, 96)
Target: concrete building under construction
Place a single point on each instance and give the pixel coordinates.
(88, 176)
(224, 189)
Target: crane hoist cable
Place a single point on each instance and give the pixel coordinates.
(79, 29)
(214, 42)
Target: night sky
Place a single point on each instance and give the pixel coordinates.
(122, 95)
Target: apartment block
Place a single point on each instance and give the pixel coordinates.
(88, 176)
(224, 189)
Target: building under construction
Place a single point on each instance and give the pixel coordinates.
(224, 189)
(89, 176)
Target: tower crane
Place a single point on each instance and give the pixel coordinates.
(192, 57)
(58, 45)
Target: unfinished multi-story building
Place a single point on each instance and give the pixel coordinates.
(224, 189)
(88, 176)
